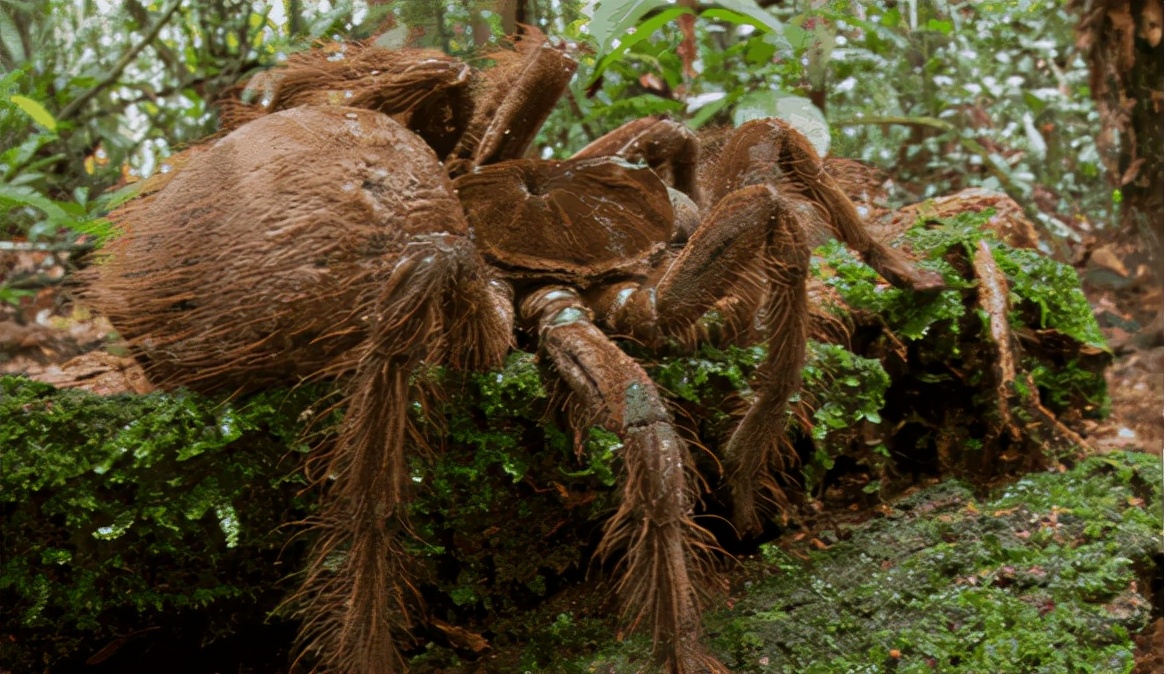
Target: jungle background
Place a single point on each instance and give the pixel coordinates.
(143, 527)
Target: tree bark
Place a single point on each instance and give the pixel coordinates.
(1122, 40)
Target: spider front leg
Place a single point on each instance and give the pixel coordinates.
(435, 302)
(753, 236)
(665, 550)
(769, 151)
(522, 91)
(659, 143)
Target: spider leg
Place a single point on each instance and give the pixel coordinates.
(657, 142)
(751, 238)
(437, 304)
(769, 151)
(391, 82)
(665, 551)
(523, 89)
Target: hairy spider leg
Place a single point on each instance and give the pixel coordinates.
(753, 245)
(770, 151)
(521, 91)
(425, 86)
(438, 305)
(666, 553)
(659, 143)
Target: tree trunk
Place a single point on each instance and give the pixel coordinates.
(1122, 39)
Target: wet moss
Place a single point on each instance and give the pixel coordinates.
(1041, 576)
(124, 513)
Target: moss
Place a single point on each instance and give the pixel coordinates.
(1039, 577)
(942, 411)
(159, 505)
(845, 391)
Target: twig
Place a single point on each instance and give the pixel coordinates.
(574, 103)
(34, 282)
(993, 296)
(28, 246)
(76, 104)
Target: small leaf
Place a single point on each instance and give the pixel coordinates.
(613, 18)
(939, 26)
(706, 111)
(1036, 142)
(10, 37)
(641, 33)
(799, 112)
(36, 111)
(747, 11)
(26, 196)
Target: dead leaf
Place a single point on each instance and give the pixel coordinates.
(461, 637)
(1105, 258)
(1132, 171)
(1150, 27)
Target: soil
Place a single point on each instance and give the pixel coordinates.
(1149, 658)
(1132, 322)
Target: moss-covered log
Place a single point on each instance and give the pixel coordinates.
(163, 525)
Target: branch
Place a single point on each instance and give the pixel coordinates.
(29, 246)
(932, 122)
(76, 104)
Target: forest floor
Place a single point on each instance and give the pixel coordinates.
(1131, 318)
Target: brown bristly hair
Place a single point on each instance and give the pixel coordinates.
(662, 587)
(353, 74)
(356, 592)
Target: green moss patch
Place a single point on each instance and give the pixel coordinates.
(1050, 574)
(133, 512)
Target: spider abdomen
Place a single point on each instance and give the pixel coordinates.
(256, 263)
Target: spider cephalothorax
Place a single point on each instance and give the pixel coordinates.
(374, 212)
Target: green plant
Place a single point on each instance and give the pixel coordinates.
(1050, 574)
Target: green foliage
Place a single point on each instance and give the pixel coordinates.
(618, 25)
(163, 505)
(1004, 80)
(506, 489)
(1035, 579)
(567, 633)
(840, 390)
(846, 390)
(906, 314)
(1045, 295)
(946, 96)
(699, 377)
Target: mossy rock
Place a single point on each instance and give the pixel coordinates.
(166, 522)
(1051, 574)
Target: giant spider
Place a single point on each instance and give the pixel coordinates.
(374, 212)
